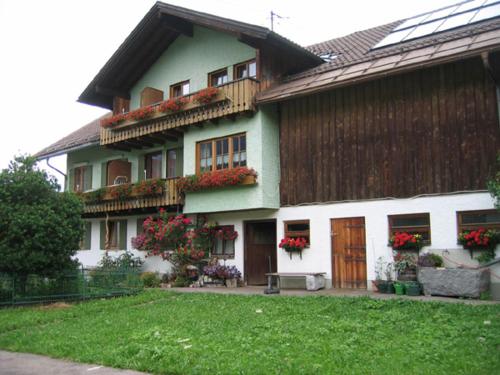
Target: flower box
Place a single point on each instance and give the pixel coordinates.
(170, 107)
(217, 179)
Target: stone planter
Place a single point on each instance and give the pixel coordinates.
(232, 283)
(456, 282)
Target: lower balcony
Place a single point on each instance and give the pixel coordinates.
(153, 124)
(127, 197)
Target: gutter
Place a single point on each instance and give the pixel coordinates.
(66, 150)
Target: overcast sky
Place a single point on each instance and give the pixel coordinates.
(50, 50)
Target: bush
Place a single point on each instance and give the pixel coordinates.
(150, 279)
(430, 260)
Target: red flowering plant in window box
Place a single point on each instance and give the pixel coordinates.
(141, 113)
(215, 179)
(480, 239)
(113, 120)
(293, 245)
(406, 241)
(206, 96)
(173, 105)
(120, 192)
(150, 187)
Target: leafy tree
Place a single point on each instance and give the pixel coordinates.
(40, 228)
(494, 185)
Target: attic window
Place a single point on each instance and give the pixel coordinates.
(328, 56)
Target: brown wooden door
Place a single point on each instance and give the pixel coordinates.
(260, 251)
(349, 253)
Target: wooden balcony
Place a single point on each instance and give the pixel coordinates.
(234, 97)
(169, 197)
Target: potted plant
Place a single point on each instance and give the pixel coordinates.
(384, 286)
(293, 245)
(399, 288)
(405, 265)
(480, 240)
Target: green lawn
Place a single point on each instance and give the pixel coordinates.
(173, 333)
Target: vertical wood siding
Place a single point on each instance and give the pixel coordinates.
(429, 131)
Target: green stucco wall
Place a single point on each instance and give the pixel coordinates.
(192, 58)
(262, 155)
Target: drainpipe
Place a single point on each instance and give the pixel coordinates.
(54, 168)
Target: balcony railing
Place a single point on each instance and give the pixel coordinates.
(234, 97)
(169, 196)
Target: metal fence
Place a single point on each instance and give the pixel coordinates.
(78, 285)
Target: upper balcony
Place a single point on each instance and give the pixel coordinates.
(232, 98)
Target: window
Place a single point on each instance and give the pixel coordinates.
(298, 228)
(470, 220)
(218, 77)
(114, 235)
(85, 243)
(172, 170)
(239, 151)
(411, 223)
(179, 89)
(152, 163)
(224, 247)
(246, 69)
(222, 153)
(82, 178)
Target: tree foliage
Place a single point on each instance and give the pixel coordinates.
(40, 228)
(494, 185)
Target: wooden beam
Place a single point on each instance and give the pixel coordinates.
(115, 146)
(153, 138)
(177, 24)
(174, 132)
(112, 92)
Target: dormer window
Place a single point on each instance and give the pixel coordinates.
(246, 69)
(179, 89)
(218, 77)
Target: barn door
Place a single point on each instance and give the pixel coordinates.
(348, 253)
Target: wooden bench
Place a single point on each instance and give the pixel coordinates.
(314, 280)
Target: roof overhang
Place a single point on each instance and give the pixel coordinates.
(484, 44)
(59, 152)
(156, 31)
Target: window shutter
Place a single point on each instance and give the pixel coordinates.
(104, 174)
(87, 236)
(141, 166)
(122, 244)
(103, 236)
(87, 183)
(71, 179)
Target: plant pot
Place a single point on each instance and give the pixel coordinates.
(399, 288)
(413, 289)
(408, 275)
(382, 286)
(390, 288)
(231, 283)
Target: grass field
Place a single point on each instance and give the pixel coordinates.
(173, 333)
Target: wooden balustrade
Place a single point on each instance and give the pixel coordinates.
(169, 197)
(235, 97)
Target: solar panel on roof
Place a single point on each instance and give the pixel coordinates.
(441, 20)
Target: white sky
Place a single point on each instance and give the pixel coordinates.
(50, 50)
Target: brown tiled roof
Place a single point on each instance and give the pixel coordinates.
(354, 46)
(86, 135)
(362, 63)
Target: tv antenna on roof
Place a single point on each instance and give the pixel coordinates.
(275, 15)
